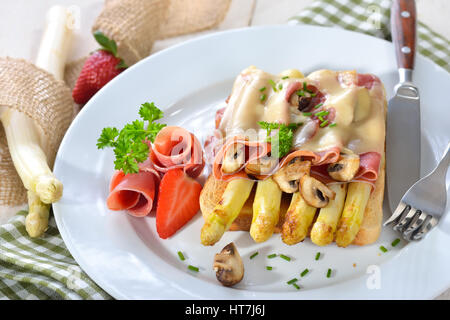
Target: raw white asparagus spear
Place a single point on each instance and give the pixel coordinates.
(28, 158)
(36, 222)
(56, 41)
(24, 139)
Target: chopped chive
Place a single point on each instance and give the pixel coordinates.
(285, 77)
(304, 272)
(395, 242)
(272, 83)
(262, 89)
(269, 268)
(280, 86)
(273, 255)
(319, 105)
(254, 255)
(332, 125)
(329, 273)
(263, 97)
(180, 254)
(300, 93)
(307, 114)
(296, 286)
(322, 113)
(285, 257)
(317, 255)
(292, 281)
(313, 94)
(321, 118)
(383, 249)
(193, 268)
(305, 86)
(323, 124)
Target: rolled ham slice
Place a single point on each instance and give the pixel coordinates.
(369, 166)
(294, 86)
(175, 147)
(134, 192)
(254, 151)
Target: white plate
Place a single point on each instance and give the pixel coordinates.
(125, 256)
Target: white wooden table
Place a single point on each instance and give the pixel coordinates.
(22, 22)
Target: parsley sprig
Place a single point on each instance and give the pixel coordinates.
(281, 141)
(129, 144)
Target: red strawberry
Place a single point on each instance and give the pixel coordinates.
(178, 202)
(101, 66)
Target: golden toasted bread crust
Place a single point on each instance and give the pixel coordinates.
(371, 225)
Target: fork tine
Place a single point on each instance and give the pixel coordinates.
(396, 215)
(427, 225)
(422, 229)
(416, 222)
(405, 219)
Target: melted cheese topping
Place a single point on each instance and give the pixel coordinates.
(359, 112)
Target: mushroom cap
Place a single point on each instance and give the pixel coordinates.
(289, 175)
(303, 103)
(234, 158)
(229, 266)
(261, 166)
(314, 192)
(345, 168)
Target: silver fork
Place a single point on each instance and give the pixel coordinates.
(423, 204)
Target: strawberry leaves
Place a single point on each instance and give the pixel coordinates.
(109, 45)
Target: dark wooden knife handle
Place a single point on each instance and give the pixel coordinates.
(403, 28)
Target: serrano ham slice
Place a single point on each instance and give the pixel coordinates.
(316, 158)
(133, 192)
(369, 165)
(318, 98)
(175, 147)
(253, 149)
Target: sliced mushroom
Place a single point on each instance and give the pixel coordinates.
(302, 102)
(289, 175)
(263, 165)
(234, 158)
(346, 168)
(315, 193)
(228, 266)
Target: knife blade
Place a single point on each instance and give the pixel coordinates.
(403, 119)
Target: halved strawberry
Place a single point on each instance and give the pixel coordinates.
(178, 202)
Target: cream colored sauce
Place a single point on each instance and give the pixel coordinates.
(360, 113)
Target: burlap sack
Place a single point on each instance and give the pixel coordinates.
(192, 16)
(136, 24)
(35, 92)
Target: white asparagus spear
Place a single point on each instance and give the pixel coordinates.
(56, 41)
(25, 144)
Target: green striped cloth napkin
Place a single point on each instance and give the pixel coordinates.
(40, 268)
(372, 17)
(44, 269)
